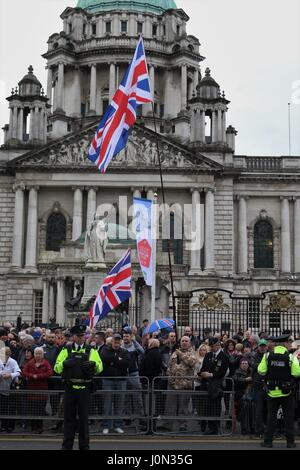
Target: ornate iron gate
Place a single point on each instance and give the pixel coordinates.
(219, 309)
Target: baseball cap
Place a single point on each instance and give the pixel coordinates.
(263, 342)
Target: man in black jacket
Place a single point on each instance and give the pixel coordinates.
(115, 362)
(214, 368)
(260, 396)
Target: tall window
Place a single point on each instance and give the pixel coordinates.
(176, 243)
(154, 30)
(123, 26)
(38, 307)
(56, 231)
(139, 27)
(108, 27)
(94, 29)
(263, 245)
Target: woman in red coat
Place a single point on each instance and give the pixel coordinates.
(36, 372)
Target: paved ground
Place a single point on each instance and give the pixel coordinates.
(145, 443)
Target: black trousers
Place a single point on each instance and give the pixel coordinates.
(76, 403)
(288, 408)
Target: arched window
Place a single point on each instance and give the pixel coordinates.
(56, 231)
(263, 245)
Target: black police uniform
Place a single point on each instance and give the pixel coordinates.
(77, 364)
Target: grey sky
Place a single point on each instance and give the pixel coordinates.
(252, 48)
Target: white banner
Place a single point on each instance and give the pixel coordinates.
(143, 227)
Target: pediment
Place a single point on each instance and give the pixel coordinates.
(141, 152)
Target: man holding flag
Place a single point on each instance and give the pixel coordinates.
(113, 132)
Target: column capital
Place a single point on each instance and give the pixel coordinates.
(19, 185)
(195, 188)
(92, 64)
(239, 197)
(94, 188)
(282, 198)
(74, 188)
(209, 190)
(135, 188)
(296, 198)
(33, 186)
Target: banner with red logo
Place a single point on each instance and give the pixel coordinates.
(144, 236)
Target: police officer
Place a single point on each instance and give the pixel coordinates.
(77, 363)
(280, 368)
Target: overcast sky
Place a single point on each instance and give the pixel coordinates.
(252, 48)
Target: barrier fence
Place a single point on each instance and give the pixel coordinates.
(131, 403)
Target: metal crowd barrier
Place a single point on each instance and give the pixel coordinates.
(127, 402)
(189, 411)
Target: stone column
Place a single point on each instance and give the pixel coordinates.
(195, 80)
(196, 232)
(209, 246)
(214, 127)
(18, 226)
(93, 89)
(45, 312)
(224, 126)
(202, 126)
(60, 87)
(42, 125)
(20, 123)
(36, 125)
(243, 239)
(60, 301)
(15, 123)
(297, 235)
(51, 301)
(91, 205)
(32, 224)
(183, 87)
(285, 236)
(193, 125)
(31, 130)
(220, 126)
(77, 213)
(136, 192)
(10, 133)
(112, 81)
(49, 85)
(76, 93)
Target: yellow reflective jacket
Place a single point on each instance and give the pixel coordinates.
(263, 369)
(64, 354)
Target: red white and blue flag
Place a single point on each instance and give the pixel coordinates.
(113, 132)
(115, 289)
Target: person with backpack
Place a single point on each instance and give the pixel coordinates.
(280, 369)
(77, 363)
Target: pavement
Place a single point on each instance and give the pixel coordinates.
(144, 443)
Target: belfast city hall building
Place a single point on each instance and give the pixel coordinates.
(245, 273)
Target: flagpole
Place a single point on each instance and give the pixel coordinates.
(154, 234)
(164, 202)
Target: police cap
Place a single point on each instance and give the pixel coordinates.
(78, 330)
(281, 339)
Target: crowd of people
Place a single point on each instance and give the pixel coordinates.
(209, 362)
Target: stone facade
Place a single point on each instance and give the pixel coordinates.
(44, 170)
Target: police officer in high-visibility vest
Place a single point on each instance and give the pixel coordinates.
(77, 363)
(280, 369)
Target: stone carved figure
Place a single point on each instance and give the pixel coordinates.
(96, 240)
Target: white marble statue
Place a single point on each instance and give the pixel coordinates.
(96, 240)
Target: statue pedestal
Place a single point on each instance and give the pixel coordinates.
(93, 279)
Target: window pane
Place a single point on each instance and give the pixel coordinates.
(124, 26)
(263, 245)
(56, 232)
(139, 28)
(108, 26)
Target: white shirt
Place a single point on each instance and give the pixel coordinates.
(10, 367)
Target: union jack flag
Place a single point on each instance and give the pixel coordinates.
(116, 289)
(113, 131)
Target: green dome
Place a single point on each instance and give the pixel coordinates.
(146, 6)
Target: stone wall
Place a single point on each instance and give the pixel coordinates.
(224, 227)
